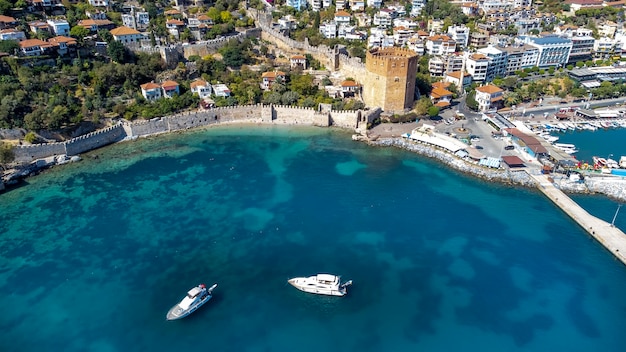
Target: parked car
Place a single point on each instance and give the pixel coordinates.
(509, 147)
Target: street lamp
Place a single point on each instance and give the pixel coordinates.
(615, 216)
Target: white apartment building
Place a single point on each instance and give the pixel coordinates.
(460, 34)
(440, 45)
(604, 47)
(375, 3)
(477, 65)
(520, 57)
(99, 3)
(401, 35)
(382, 19)
(416, 44)
(59, 27)
(416, 7)
(403, 22)
(329, 29)
(341, 4)
(358, 5)
(553, 51)
(497, 62)
(316, 5)
(296, 4)
(488, 97)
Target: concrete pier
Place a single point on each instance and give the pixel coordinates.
(609, 236)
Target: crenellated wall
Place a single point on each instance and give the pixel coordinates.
(94, 140)
(265, 114)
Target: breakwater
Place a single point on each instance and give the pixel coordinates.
(260, 113)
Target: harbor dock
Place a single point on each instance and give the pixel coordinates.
(612, 238)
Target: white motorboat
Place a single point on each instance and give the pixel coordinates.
(321, 284)
(195, 298)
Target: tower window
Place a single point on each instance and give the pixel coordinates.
(396, 79)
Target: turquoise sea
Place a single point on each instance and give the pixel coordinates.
(93, 254)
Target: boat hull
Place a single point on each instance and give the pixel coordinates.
(304, 284)
(176, 312)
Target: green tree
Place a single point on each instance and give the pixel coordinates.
(433, 111)
(5, 6)
(117, 51)
(470, 100)
(79, 32)
(9, 46)
(6, 153)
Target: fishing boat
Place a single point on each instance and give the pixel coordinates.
(321, 284)
(194, 299)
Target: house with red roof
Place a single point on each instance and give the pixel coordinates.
(34, 47)
(12, 34)
(7, 22)
(489, 97)
(63, 45)
(170, 88)
(440, 95)
(151, 91)
(94, 25)
(126, 35)
(201, 87)
(268, 78)
(349, 88)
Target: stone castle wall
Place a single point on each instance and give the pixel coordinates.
(267, 114)
(93, 140)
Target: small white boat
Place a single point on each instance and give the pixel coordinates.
(195, 298)
(321, 284)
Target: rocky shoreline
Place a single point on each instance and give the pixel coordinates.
(613, 187)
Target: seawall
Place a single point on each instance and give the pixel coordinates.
(265, 114)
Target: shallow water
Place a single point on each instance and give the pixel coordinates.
(93, 254)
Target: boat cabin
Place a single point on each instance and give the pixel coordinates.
(194, 292)
(327, 279)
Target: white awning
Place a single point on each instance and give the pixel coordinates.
(439, 140)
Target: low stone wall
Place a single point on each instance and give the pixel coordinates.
(507, 176)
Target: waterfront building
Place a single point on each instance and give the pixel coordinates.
(604, 47)
(497, 62)
(349, 88)
(520, 57)
(476, 65)
(489, 97)
(553, 50)
(389, 81)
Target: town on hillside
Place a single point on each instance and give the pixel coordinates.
(69, 67)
